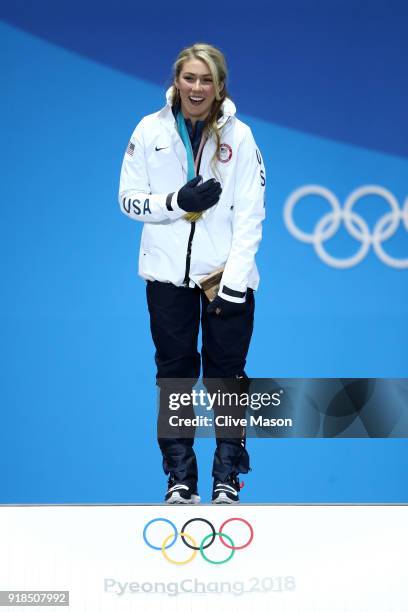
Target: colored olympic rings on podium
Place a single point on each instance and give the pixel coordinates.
(190, 542)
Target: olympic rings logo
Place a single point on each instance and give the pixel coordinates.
(328, 225)
(191, 543)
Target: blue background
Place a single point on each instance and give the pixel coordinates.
(323, 86)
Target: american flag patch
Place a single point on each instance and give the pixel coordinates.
(130, 149)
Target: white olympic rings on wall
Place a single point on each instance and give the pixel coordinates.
(357, 227)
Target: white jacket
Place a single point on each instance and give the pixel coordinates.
(173, 250)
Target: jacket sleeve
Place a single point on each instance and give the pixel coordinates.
(249, 212)
(135, 197)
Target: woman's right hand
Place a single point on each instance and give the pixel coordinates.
(196, 198)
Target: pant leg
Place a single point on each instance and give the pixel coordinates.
(225, 348)
(174, 323)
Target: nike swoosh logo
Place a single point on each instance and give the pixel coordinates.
(223, 489)
(177, 487)
(161, 148)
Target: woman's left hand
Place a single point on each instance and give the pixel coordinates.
(224, 309)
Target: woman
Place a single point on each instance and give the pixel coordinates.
(193, 174)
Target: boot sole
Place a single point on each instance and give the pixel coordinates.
(222, 498)
(177, 499)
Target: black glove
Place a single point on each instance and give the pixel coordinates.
(224, 309)
(193, 198)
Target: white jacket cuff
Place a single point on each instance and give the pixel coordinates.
(173, 210)
(232, 295)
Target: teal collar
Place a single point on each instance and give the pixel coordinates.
(182, 128)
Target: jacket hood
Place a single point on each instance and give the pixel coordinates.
(228, 107)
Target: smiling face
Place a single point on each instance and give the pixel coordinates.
(197, 90)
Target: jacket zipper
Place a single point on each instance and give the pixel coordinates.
(186, 281)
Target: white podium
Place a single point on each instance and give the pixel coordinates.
(316, 558)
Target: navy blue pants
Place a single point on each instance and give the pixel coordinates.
(175, 314)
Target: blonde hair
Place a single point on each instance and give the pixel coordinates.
(215, 60)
